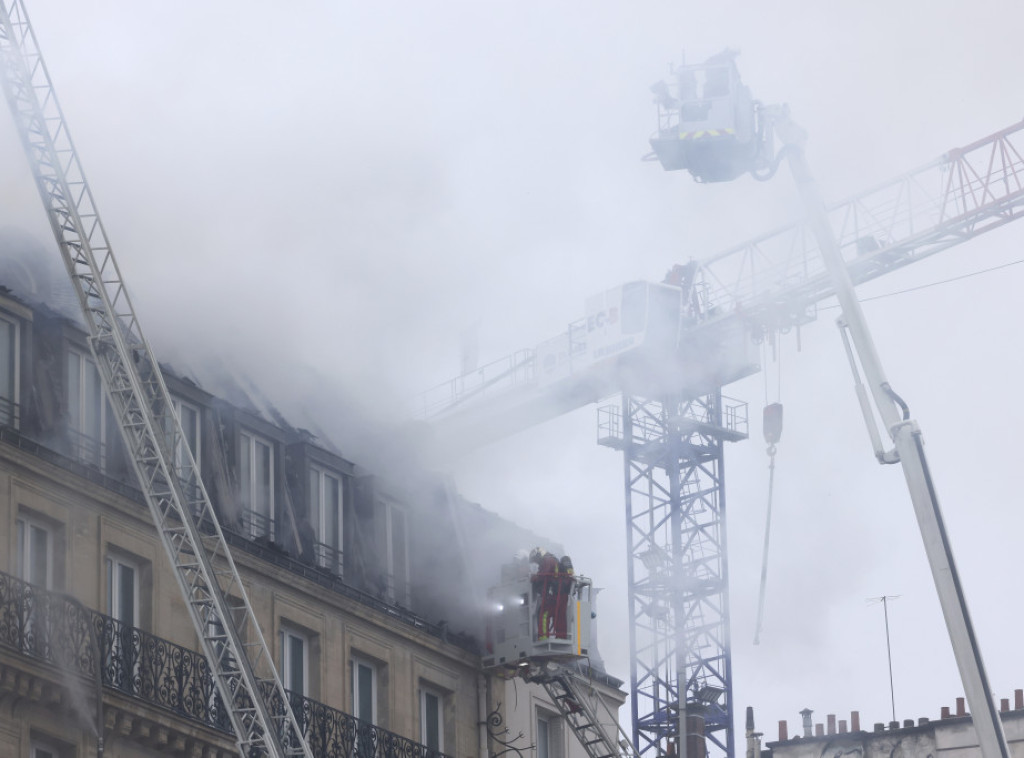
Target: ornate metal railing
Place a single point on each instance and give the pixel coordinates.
(54, 629)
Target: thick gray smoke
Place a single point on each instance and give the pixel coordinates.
(354, 195)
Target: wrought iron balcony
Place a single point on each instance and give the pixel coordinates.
(10, 412)
(328, 557)
(54, 629)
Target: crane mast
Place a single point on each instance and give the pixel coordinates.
(246, 679)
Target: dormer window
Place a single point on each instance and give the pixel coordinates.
(189, 418)
(256, 485)
(326, 509)
(9, 351)
(397, 546)
(87, 409)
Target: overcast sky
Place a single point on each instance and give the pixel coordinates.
(347, 187)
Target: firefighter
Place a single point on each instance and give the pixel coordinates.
(545, 591)
(565, 585)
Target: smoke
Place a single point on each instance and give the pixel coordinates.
(352, 198)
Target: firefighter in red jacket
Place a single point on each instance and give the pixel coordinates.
(564, 586)
(545, 591)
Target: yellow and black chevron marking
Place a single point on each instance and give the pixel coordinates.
(706, 133)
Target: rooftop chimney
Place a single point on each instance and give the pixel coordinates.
(806, 714)
(753, 737)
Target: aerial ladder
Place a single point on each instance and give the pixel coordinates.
(586, 714)
(672, 435)
(254, 698)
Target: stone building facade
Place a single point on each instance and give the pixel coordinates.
(369, 611)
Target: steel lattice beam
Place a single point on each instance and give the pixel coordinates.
(678, 576)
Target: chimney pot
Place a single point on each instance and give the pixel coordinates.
(854, 721)
(806, 714)
(879, 726)
(842, 726)
(831, 718)
(783, 731)
(819, 730)
(923, 721)
(894, 725)
(1004, 704)
(1018, 700)
(945, 712)
(961, 707)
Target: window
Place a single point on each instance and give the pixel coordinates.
(189, 418)
(548, 735)
(432, 719)
(123, 591)
(9, 351)
(398, 554)
(34, 552)
(43, 748)
(364, 690)
(256, 479)
(543, 737)
(326, 506)
(123, 664)
(295, 662)
(86, 409)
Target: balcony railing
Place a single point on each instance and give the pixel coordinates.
(54, 629)
(87, 449)
(256, 525)
(10, 412)
(328, 557)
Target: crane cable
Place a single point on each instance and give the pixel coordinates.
(772, 429)
(764, 554)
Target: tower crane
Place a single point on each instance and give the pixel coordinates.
(670, 356)
(247, 681)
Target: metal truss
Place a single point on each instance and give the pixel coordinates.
(678, 576)
(774, 280)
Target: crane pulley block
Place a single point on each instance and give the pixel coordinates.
(772, 425)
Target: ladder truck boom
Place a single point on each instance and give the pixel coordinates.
(239, 658)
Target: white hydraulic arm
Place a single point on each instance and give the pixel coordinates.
(246, 679)
(908, 450)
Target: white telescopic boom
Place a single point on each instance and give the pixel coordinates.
(909, 451)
